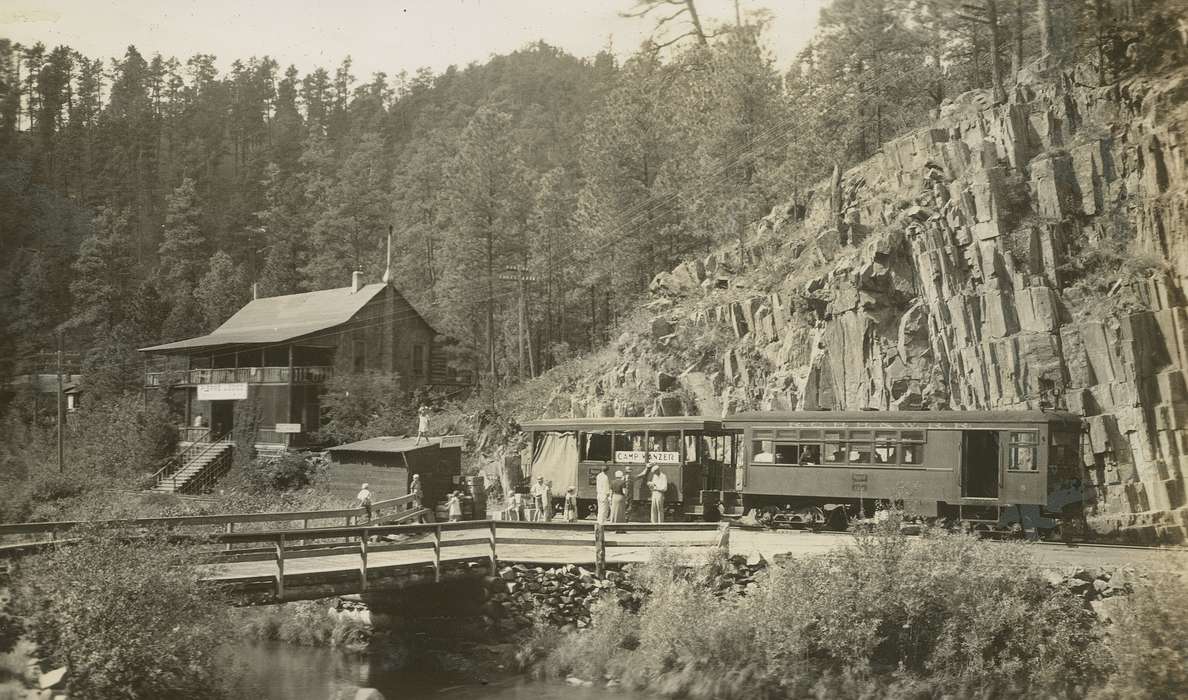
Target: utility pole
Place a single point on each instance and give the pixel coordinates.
(61, 406)
(520, 274)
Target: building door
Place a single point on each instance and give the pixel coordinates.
(979, 464)
(222, 417)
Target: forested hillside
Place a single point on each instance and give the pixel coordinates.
(141, 196)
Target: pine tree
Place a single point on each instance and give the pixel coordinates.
(222, 291)
(184, 258)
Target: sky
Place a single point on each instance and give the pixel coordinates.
(379, 35)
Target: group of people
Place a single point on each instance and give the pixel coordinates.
(614, 495)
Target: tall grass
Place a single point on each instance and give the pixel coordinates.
(303, 623)
(886, 616)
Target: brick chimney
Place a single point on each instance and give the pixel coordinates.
(356, 281)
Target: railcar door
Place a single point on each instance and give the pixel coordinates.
(979, 464)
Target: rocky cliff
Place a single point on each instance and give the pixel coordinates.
(1021, 255)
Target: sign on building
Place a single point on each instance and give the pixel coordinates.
(453, 441)
(223, 392)
(288, 427)
(639, 457)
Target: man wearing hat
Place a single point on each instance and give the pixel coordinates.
(364, 500)
(541, 499)
(618, 498)
(659, 485)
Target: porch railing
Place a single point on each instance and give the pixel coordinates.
(235, 375)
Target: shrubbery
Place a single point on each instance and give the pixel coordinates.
(286, 472)
(127, 617)
(886, 616)
(305, 623)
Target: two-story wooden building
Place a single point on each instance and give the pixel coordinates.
(280, 351)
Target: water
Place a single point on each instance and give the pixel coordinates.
(284, 672)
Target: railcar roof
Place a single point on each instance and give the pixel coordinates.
(740, 420)
(638, 423)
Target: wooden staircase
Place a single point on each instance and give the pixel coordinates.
(195, 467)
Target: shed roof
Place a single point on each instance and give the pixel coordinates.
(278, 319)
(387, 444)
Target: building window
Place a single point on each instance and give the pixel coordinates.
(418, 360)
(360, 349)
(1024, 451)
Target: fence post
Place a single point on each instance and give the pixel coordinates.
(280, 567)
(347, 523)
(228, 528)
(363, 560)
(494, 559)
(437, 553)
(724, 536)
(599, 551)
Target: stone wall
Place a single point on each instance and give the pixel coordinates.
(1023, 255)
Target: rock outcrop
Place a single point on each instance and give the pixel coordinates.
(1022, 255)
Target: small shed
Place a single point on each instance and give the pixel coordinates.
(388, 463)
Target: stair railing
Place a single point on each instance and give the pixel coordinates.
(211, 473)
(192, 455)
(180, 459)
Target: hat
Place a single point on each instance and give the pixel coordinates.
(571, 489)
(540, 478)
(619, 475)
(365, 485)
(416, 476)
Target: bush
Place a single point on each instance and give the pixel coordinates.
(1148, 643)
(886, 616)
(305, 623)
(288, 472)
(126, 616)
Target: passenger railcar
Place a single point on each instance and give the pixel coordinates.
(697, 454)
(996, 469)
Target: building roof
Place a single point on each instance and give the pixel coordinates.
(386, 444)
(283, 318)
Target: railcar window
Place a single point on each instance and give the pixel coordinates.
(787, 453)
(835, 449)
(664, 442)
(692, 448)
(763, 452)
(596, 447)
(1024, 451)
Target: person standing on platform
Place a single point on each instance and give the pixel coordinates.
(416, 491)
(540, 498)
(571, 505)
(422, 424)
(454, 505)
(602, 491)
(659, 485)
(363, 498)
(618, 490)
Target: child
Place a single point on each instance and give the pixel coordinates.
(422, 424)
(455, 506)
(570, 505)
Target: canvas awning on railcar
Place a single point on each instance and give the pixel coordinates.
(556, 459)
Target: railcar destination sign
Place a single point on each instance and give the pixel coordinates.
(639, 457)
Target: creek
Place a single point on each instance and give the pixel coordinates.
(276, 671)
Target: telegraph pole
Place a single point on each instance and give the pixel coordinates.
(517, 273)
(61, 406)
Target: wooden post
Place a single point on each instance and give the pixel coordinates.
(347, 523)
(228, 528)
(494, 559)
(437, 553)
(280, 567)
(724, 537)
(599, 551)
(363, 560)
(304, 526)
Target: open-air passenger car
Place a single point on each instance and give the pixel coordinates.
(696, 454)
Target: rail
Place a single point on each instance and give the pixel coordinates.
(392, 507)
(182, 458)
(233, 375)
(191, 453)
(358, 540)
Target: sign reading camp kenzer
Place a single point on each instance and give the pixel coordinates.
(222, 392)
(639, 457)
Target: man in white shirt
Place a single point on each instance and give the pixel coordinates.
(364, 500)
(540, 498)
(602, 492)
(659, 485)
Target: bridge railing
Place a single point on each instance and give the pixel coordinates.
(48, 533)
(281, 546)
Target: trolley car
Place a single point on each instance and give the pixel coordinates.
(993, 470)
(696, 454)
(989, 469)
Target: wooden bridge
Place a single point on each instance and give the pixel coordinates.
(274, 557)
